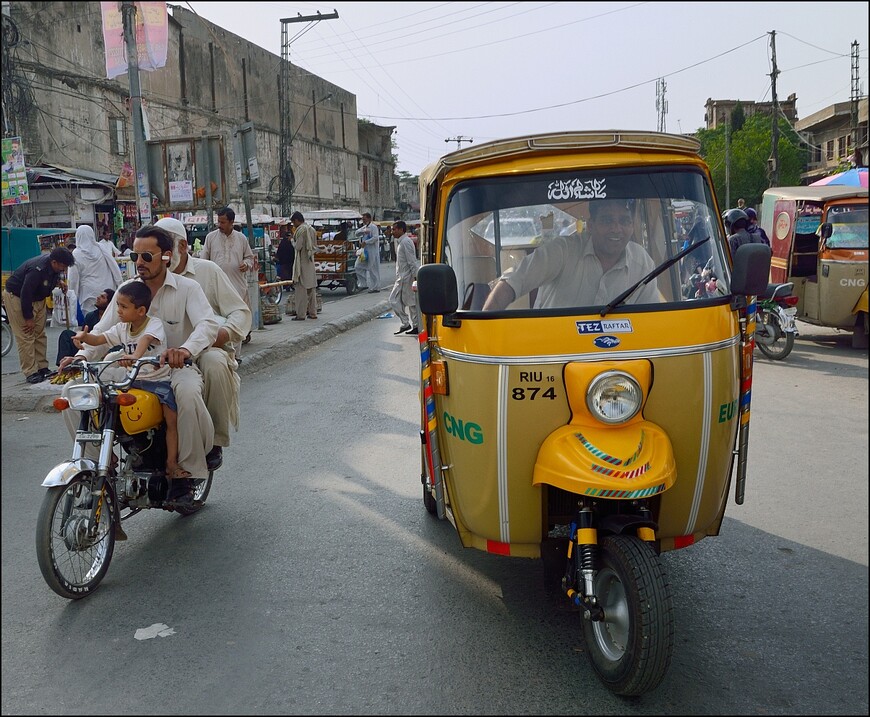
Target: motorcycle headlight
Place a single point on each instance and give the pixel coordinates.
(614, 397)
(83, 397)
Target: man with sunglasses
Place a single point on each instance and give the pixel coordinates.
(587, 269)
(191, 327)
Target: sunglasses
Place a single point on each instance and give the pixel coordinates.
(147, 256)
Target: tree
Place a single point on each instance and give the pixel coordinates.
(750, 149)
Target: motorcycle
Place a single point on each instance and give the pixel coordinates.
(775, 328)
(87, 500)
(8, 338)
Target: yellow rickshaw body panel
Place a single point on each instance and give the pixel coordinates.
(513, 358)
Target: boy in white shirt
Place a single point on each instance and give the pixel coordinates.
(142, 335)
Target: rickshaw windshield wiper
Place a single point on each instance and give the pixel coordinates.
(652, 275)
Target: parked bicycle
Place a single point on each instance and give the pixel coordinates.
(8, 338)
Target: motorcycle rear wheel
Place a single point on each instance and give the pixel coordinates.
(778, 343)
(630, 650)
(201, 489)
(72, 561)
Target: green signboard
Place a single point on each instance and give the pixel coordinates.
(15, 189)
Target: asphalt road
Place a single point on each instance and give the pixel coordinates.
(314, 581)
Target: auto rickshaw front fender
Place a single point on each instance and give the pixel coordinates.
(623, 462)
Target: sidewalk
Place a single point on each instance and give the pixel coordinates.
(268, 346)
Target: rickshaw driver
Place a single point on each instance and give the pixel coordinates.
(583, 270)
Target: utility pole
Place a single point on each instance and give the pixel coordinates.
(285, 166)
(728, 161)
(140, 158)
(661, 103)
(853, 109)
(773, 162)
(459, 139)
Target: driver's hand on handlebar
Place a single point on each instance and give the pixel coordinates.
(175, 357)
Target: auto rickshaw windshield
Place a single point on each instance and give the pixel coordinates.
(849, 224)
(566, 240)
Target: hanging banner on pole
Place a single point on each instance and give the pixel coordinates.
(152, 36)
(15, 188)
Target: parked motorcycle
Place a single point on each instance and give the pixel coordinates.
(775, 328)
(81, 514)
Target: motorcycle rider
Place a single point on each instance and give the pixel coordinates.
(218, 362)
(191, 327)
(736, 224)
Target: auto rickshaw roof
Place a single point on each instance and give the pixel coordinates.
(816, 194)
(555, 141)
(501, 148)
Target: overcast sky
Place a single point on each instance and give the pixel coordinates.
(490, 70)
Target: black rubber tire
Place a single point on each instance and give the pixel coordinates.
(630, 650)
(351, 286)
(859, 332)
(49, 543)
(429, 501)
(201, 489)
(783, 343)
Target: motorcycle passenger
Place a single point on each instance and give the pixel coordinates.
(218, 362)
(140, 335)
(583, 269)
(191, 327)
(753, 227)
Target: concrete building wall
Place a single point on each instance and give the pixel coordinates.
(213, 81)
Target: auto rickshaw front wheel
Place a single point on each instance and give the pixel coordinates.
(631, 648)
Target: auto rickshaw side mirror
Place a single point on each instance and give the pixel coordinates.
(749, 275)
(827, 230)
(437, 292)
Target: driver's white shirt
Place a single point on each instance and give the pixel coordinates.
(568, 272)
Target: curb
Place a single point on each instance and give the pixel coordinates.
(252, 362)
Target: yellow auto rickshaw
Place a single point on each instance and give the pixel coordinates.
(580, 402)
(819, 241)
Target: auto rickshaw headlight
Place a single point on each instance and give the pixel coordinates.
(614, 397)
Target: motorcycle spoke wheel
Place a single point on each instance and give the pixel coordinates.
(630, 649)
(201, 489)
(775, 343)
(73, 552)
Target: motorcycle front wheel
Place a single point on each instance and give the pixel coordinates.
(771, 340)
(630, 649)
(7, 339)
(73, 547)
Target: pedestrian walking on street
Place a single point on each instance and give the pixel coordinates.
(403, 300)
(285, 255)
(230, 250)
(369, 272)
(304, 272)
(24, 298)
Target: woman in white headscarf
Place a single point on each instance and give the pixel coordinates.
(93, 272)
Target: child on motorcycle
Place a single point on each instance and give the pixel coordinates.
(142, 335)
